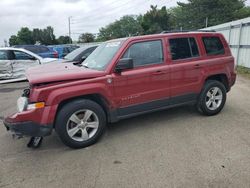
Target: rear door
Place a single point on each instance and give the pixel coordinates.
(185, 68)
(141, 88)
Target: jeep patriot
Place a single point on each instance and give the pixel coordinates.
(124, 78)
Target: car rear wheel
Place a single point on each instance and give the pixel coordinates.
(80, 123)
(212, 98)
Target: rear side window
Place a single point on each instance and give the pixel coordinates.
(183, 48)
(145, 53)
(42, 49)
(3, 55)
(213, 45)
(31, 48)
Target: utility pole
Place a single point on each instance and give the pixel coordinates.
(206, 22)
(69, 30)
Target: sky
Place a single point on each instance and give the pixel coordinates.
(85, 15)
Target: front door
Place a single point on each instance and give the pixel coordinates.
(22, 61)
(6, 71)
(141, 88)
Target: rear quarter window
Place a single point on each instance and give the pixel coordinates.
(213, 45)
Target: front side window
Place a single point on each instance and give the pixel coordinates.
(102, 55)
(213, 45)
(22, 56)
(145, 53)
(3, 55)
(183, 48)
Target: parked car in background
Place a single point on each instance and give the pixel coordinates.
(40, 50)
(73, 47)
(78, 56)
(14, 62)
(62, 50)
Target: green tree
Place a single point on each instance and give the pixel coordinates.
(156, 20)
(86, 37)
(193, 14)
(47, 36)
(126, 26)
(242, 13)
(37, 35)
(64, 40)
(13, 40)
(24, 36)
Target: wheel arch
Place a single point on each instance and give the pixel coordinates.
(221, 78)
(98, 98)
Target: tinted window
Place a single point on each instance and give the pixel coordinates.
(3, 55)
(145, 53)
(182, 48)
(22, 56)
(31, 48)
(42, 49)
(88, 52)
(194, 47)
(213, 45)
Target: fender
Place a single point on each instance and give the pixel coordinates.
(55, 94)
(213, 69)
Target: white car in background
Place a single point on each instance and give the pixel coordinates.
(14, 62)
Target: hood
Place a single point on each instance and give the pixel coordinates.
(60, 72)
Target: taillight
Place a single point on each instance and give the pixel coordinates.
(55, 54)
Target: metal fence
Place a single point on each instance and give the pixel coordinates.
(237, 34)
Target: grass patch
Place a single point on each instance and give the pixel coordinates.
(244, 71)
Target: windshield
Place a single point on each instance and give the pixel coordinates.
(102, 55)
(72, 55)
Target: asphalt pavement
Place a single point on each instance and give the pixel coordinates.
(172, 148)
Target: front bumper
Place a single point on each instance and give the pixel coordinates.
(28, 128)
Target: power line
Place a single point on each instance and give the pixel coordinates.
(79, 23)
(97, 9)
(96, 16)
(107, 15)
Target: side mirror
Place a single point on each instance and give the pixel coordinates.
(124, 64)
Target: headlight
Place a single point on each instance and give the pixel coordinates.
(35, 105)
(22, 104)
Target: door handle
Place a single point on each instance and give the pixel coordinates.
(159, 72)
(197, 66)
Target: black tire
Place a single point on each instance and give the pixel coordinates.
(201, 105)
(68, 110)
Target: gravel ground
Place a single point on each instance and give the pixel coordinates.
(172, 148)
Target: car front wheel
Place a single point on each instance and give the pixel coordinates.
(80, 123)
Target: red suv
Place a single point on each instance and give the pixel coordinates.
(124, 78)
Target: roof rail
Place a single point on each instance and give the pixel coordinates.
(185, 31)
